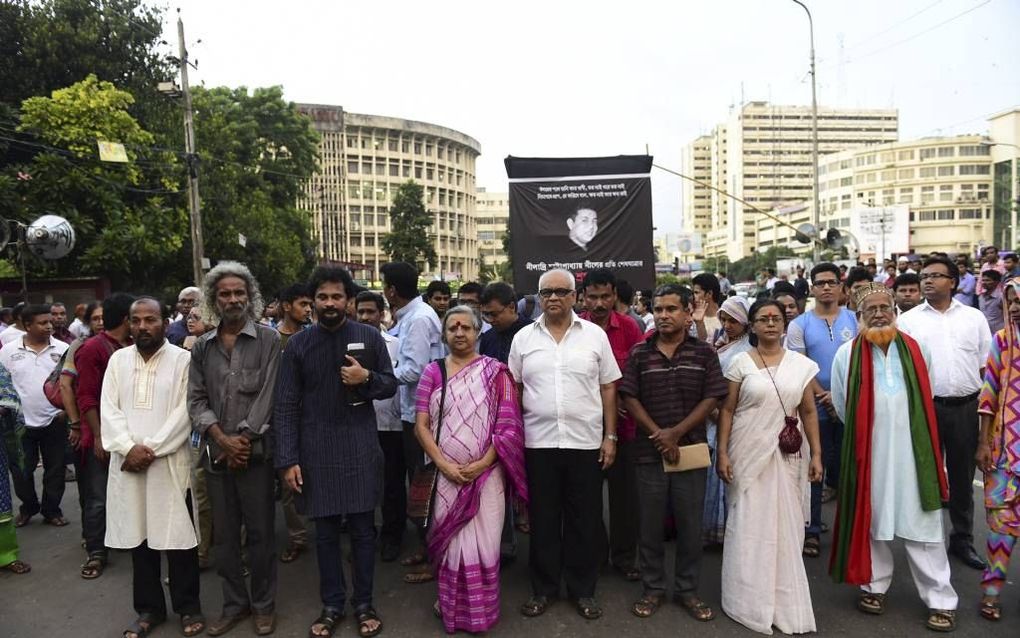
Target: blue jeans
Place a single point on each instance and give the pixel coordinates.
(831, 431)
(332, 587)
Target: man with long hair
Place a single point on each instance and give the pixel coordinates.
(892, 483)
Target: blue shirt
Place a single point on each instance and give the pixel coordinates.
(967, 289)
(816, 339)
(496, 343)
(418, 330)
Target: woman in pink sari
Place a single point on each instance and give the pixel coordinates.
(480, 456)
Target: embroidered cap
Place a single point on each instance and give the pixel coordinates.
(868, 289)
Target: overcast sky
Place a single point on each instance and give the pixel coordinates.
(573, 78)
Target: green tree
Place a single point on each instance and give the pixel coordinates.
(409, 237)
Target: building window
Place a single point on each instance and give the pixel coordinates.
(970, 151)
(405, 146)
(946, 171)
(906, 173)
(417, 148)
(394, 170)
(975, 169)
(927, 171)
(888, 176)
(946, 193)
(906, 195)
(927, 153)
(947, 151)
(392, 144)
(352, 167)
(945, 214)
(926, 216)
(927, 194)
(970, 213)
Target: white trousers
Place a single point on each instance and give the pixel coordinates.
(929, 565)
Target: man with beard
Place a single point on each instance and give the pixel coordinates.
(600, 301)
(892, 483)
(146, 429)
(907, 290)
(295, 304)
(328, 447)
(959, 340)
(230, 398)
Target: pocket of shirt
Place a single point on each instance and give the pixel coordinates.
(250, 381)
(583, 363)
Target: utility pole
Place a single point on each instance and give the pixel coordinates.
(194, 207)
(814, 122)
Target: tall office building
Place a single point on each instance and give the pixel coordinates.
(697, 163)
(492, 215)
(763, 155)
(363, 160)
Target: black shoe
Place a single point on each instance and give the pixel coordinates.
(967, 555)
(390, 552)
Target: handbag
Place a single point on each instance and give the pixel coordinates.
(51, 386)
(790, 438)
(691, 457)
(422, 491)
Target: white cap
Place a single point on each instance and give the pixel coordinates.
(903, 259)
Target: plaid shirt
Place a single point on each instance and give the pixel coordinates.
(669, 389)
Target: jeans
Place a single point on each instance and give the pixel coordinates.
(332, 587)
(48, 442)
(92, 477)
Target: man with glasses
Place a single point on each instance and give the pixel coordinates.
(470, 295)
(818, 334)
(880, 389)
(499, 309)
(566, 373)
(186, 300)
(959, 339)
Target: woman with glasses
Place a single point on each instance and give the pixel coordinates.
(733, 317)
(768, 452)
(469, 423)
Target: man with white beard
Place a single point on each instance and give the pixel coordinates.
(892, 482)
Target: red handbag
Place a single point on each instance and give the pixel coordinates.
(790, 438)
(422, 490)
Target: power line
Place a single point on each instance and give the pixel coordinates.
(894, 25)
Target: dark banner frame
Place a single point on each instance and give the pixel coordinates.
(580, 214)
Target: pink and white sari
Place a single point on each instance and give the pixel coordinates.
(481, 410)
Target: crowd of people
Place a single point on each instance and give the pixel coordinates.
(470, 417)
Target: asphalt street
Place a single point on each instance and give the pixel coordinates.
(53, 600)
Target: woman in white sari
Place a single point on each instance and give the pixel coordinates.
(764, 583)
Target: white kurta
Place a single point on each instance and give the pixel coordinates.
(145, 402)
(895, 498)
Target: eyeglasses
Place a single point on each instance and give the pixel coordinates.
(546, 293)
(493, 313)
(881, 308)
(769, 319)
(928, 276)
(826, 283)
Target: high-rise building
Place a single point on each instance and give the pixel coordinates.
(763, 155)
(492, 215)
(697, 163)
(363, 160)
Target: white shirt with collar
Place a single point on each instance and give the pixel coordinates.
(29, 370)
(10, 333)
(959, 341)
(387, 411)
(561, 398)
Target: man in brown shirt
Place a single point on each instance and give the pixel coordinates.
(230, 398)
(671, 383)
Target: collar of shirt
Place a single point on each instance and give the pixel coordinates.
(408, 309)
(541, 323)
(954, 303)
(52, 344)
(614, 319)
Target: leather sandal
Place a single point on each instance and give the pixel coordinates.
(589, 609)
(364, 616)
(535, 606)
(328, 618)
(93, 567)
(697, 609)
(646, 606)
(189, 622)
(873, 604)
(226, 623)
(265, 624)
(991, 610)
(942, 620)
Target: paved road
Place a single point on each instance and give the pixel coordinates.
(54, 600)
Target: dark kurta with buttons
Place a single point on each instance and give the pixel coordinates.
(336, 444)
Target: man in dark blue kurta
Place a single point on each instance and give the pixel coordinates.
(327, 446)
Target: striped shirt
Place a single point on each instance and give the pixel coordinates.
(669, 389)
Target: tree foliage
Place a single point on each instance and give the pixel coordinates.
(410, 225)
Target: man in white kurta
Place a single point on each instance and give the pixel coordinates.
(145, 428)
(895, 495)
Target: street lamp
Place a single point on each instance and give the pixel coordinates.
(1016, 191)
(814, 120)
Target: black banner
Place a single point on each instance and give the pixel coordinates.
(580, 214)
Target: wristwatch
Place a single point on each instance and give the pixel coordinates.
(613, 437)
(368, 379)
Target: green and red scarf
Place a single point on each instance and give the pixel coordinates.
(851, 551)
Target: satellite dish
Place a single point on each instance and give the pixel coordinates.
(5, 233)
(50, 237)
(805, 232)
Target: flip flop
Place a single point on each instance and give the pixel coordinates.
(188, 621)
(417, 578)
(17, 567)
(56, 521)
(21, 520)
(991, 611)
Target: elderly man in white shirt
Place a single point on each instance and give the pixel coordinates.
(565, 370)
(145, 428)
(958, 338)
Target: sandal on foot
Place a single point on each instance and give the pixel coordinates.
(991, 610)
(192, 624)
(93, 567)
(812, 547)
(364, 616)
(328, 619)
(291, 554)
(697, 609)
(417, 578)
(17, 567)
(225, 623)
(436, 611)
(414, 560)
(873, 604)
(56, 521)
(588, 608)
(943, 620)
(535, 606)
(646, 606)
(21, 520)
(143, 625)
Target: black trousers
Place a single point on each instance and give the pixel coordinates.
(92, 478)
(47, 442)
(958, 433)
(182, 568)
(414, 457)
(565, 489)
(623, 508)
(394, 504)
(332, 586)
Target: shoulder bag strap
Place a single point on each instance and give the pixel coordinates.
(442, 395)
(773, 380)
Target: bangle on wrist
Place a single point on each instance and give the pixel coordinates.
(613, 437)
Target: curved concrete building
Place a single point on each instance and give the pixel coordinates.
(363, 159)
